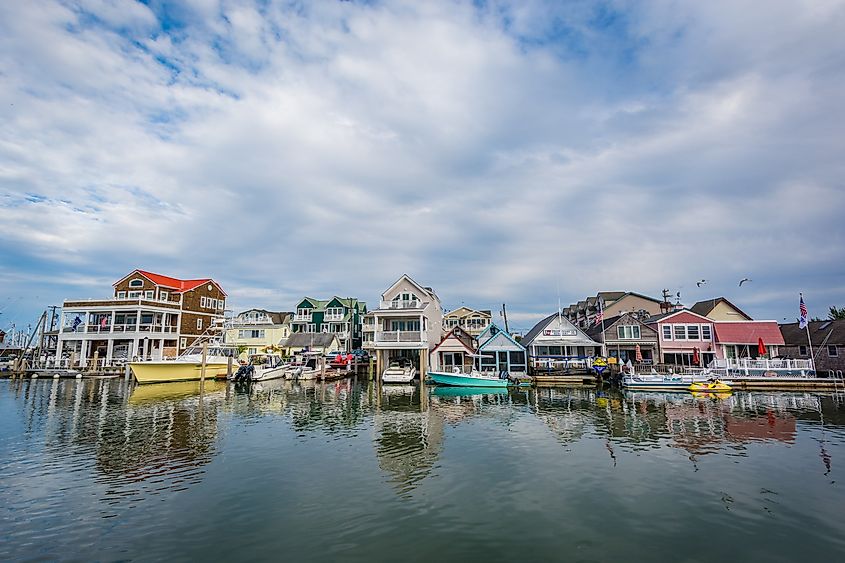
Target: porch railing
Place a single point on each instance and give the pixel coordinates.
(400, 336)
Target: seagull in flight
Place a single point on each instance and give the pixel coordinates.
(743, 280)
(700, 283)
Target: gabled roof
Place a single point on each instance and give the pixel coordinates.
(466, 311)
(423, 289)
(540, 326)
(461, 336)
(706, 307)
(827, 333)
(176, 284)
(487, 336)
(664, 316)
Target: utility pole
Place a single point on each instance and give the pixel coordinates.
(505, 315)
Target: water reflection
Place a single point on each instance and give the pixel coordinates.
(127, 445)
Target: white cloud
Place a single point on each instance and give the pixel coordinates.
(494, 153)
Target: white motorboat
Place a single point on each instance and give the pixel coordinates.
(308, 369)
(401, 370)
(261, 367)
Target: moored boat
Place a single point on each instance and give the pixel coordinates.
(401, 370)
(187, 367)
(474, 378)
(710, 387)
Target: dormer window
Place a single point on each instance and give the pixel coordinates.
(137, 282)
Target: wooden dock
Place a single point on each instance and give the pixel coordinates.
(552, 380)
(786, 384)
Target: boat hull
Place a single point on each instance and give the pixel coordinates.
(463, 380)
(166, 372)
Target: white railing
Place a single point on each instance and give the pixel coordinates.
(264, 321)
(414, 304)
(119, 301)
(302, 318)
(369, 327)
(762, 364)
(99, 329)
(400, 336)
(333, 317)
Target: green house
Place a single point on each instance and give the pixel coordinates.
(341, 316)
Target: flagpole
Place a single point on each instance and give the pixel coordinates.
(809, 341)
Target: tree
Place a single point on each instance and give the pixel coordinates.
(836, 314)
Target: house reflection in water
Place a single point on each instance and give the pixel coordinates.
(408, 436)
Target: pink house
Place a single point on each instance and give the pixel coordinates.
(681, 332)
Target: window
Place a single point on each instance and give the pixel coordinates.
(134, 294)
(220, 304)
(802, 350)
(121, 295)
(667, 332)
(136, 283)
(199, 324)
(628, 332)
(163, 295)
(692, 332)
(832, 351)
(680, 332)
(706, 333)
(149, 294)
(183, 342)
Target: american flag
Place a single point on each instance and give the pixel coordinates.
(802, 322)
(599, 317)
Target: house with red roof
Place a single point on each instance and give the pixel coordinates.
(148, 316)
(685, 335)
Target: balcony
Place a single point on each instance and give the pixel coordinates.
(400, 336)
(332, 317)
(114, 302)
(398, 305)
(122, 328)
(302, 318)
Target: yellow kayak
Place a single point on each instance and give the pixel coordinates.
(711, 387)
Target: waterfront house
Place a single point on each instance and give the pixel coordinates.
(147, 316)
(683, 332)
(298, 342)
(408, 323)
(473, 321)
(719, 309)
(341, 316)
(612, 303)
(557, 338)
(456, 350)
(828, 341)
(258, 330)
(501, 352)
(621, 336)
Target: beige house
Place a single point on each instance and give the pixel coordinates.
(472, 321)
(322, 342)
(719, 309)
(259, 331)
(408, 323)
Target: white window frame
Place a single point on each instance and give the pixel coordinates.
(149, 294)
(133, 295)
(183, 342)
(835, 351)
(677, 330)
(697, 329)
(802, 351)
(134, 285)
(121, 295)
(667, 328)
(709, 330)
(163, 295)
(203, 300)
(199, 324)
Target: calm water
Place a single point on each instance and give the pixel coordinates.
(347, 471)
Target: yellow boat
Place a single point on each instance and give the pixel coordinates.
(710, 387)
(187, 367)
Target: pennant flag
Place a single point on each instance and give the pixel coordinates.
(76, 322)
(802, 321)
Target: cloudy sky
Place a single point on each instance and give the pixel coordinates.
(497, 151)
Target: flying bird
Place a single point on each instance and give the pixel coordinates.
(700, 283)
(743, 280)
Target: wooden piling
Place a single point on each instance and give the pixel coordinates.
(204, 362)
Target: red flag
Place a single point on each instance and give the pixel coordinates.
(696, 359)
(761, 348)
(638, 354)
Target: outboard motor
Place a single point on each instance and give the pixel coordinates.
(244, 373)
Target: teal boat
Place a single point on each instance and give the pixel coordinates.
(474, 379)
(448, 391)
